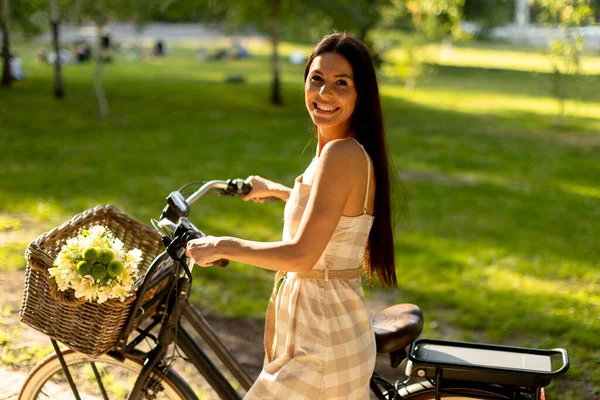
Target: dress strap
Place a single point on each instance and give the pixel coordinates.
(270, 319)
(368, 175)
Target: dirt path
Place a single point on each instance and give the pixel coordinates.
(243, 337)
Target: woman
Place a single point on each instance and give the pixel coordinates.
(319, 341)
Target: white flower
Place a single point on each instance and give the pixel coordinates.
(134, 256)
(85, 288)
(120, 292)
(103, 294)
(97, 230)
(117, 245)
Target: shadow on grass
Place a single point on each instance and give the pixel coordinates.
(485, 180)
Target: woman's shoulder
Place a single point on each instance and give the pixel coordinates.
(344, 156)
(343, 149)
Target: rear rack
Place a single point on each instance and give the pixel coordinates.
(523, 368)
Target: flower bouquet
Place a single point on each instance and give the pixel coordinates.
(83, 278)
(96, 266)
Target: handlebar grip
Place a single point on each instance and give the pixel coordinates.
(246, 188)
(222, 263)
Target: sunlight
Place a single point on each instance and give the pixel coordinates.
(488, 102)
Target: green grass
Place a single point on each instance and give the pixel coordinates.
(500, 240)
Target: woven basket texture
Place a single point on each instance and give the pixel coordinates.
(90, 328)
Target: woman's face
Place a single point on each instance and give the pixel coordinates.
(329, 91)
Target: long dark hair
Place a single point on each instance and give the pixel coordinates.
(367, 124)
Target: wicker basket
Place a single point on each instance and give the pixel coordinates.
(90, 328)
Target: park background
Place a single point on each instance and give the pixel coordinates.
(496, 142)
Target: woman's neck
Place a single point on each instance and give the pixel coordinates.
(327, 134)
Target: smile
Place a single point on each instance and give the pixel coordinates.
(325, 108)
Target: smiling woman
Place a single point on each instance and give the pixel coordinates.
(319, 341)
(330, 93)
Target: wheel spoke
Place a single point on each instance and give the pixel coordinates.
(99, 381)
(97, 378)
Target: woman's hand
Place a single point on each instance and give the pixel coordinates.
(203, 251)
(263, 189)
(260, 189)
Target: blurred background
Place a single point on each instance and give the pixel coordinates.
(492, 110)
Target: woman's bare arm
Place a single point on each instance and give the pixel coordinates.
(336, 172)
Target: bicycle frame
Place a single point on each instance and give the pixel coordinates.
(175, 306)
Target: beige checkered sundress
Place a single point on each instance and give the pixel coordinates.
(322, 346)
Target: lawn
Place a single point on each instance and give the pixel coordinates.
(497, 239)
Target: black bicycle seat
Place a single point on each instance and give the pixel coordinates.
(396, 327)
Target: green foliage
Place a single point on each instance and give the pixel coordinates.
(30, 17)
(433, 19)
(423, 22)
(489, 13)
(566, 16)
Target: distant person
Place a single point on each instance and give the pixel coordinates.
(43, 56)
(239, 51)
(159, 48)
(105, 44)
(223, 54)
(16, 68)
(297, 57)
(64, 57)
(83, 52)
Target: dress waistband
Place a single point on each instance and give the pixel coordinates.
(326, 274)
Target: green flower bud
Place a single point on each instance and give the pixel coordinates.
(90, 254)
(105, 256)
(84, 268)
(115, 268)
(98, 271)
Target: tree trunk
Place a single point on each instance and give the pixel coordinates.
(59, 87)
(6, 73)
(276, 97)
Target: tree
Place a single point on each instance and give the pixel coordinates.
(269, 16)
(6, 74)
(565, 51)
(59, 86)
(27, 16)
(100, 12)
(489, 13)
(279, 19)
(422, 21)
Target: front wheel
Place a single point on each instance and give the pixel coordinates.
(100, 377)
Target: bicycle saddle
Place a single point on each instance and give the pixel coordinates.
(396, 327)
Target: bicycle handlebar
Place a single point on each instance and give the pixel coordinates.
(178, 209)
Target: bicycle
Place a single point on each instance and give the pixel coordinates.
(434, 369)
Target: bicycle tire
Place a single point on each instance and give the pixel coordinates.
(425, 391)
(47, 381)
